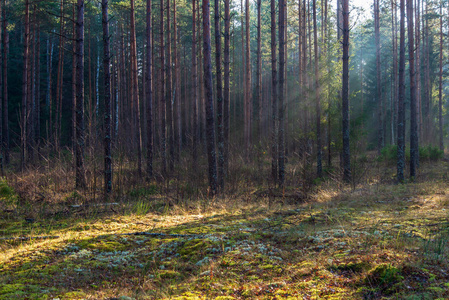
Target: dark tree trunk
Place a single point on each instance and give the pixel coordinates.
(414, 152)
(25, 108)
(281, 108)
(395, 71)
(5, 51)
(168, 100)
(195, 131)
(274, 98)
(162, 102)
(259, 68)
(226, 96)
(401, 96)
(107, 100)
(440, 85)
(220, 133)
(345, 93)
(80, 178)
(248, 98)
(210, 126)
(149, 90)
(74, 81)
(177, 82)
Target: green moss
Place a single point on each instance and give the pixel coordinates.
(386, 278)
(103, 246)
(170, 274)
(193, 247)
(355, 267)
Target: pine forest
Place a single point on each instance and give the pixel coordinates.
(225, 149)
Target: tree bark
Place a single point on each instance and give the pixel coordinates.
(220, 133)
(440, 84)
(149, 90)
(135, 90)
(345, 93)
(281, 108)
(317, 95)
(380, 108)
(107, 100)
(80, 179)
(248, 98)
(210, 126)
(401, 96)
(414, 152)
(25, 112)
(274, 98)
(226, 96)
(5, 51)
(195, 132)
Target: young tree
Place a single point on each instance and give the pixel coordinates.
(210, 123)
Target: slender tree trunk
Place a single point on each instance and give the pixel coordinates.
(5, 51)
(177, 80)
(440, 85)
(25, 83)
(226, 96)
(195, 133)
(395, 70)
(149, 90)
(414, 152)
(259, 68)
(317, 95)
(274, 98)
(220, 133)
(169, 87)
(248, 100)
(162, 101)
(59, 79)
(38, 90)
(380, 108)
(107, 100)
(281, 108)
(210, 126)
(345, 93)
(135, 90)
(74, 81)
(401, 96)
(418, 68)
(80, 178)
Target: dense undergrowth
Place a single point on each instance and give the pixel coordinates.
(372, 239)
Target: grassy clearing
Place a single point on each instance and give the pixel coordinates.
(376, 240)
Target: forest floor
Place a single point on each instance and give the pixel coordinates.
(379, 240)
